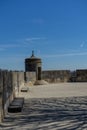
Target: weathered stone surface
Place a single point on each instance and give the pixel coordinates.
(30, 77)
(10, 82)
(81, 75)
(55, 76)
(40, 82)
(68, 113)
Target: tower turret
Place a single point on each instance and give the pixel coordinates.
(34, 64)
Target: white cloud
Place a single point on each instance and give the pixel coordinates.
(9, 45)
(65, 55)
(35, 38)
(21, 43)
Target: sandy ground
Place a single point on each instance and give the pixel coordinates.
(57, 90)
(52, 107)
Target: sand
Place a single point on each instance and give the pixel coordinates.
(56, 90)
(51, 107)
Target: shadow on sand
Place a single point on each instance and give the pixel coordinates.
(49, 114)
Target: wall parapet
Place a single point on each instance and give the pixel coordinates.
(10, 82)
(55, 76)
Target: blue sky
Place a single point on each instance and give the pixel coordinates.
(55, 29)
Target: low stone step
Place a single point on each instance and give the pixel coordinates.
(24, 89)
(16, 105)
(14, 109)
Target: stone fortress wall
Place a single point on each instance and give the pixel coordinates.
(12, 81)
(81, 75)
(9, 88)
(33, 65)
(55, 76)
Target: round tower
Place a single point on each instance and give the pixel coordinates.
(34, 64)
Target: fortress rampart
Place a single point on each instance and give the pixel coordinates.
(81, 75)
(12, 81)
(55, 76)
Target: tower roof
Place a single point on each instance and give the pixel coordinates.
(33, 57)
